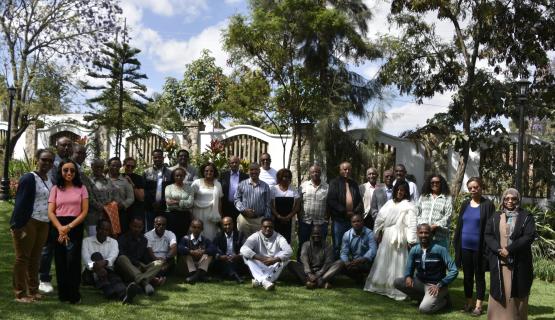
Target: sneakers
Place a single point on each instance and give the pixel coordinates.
(149, 289)
(130, 293)
(46, 287)
(256, 283)
(268, 286)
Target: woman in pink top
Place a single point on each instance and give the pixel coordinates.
(67, 208)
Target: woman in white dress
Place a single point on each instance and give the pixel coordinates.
(397, 221)
(207, 204)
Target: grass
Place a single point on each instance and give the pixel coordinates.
(226, 300)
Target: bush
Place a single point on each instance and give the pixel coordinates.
(544, 269)
(544, 246)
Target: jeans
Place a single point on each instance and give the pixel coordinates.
(339, 228)
(46, 256)
(305, 230)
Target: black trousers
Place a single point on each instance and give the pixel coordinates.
(472, 268)
(179, 222)
(68, 262)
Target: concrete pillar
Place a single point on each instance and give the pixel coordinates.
(191, 136)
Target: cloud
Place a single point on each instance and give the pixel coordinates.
(232, 1)
(190, 8)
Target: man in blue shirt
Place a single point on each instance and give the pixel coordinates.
(358, 249)
(431, 261)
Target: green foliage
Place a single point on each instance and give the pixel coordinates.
(483, 46)
(201, 91)
(544, 245)
(214, 154)
(544, 269)
(122, 97)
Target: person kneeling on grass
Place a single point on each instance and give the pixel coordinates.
(430, 260)
(315, 268)
(266, 253)
(99, 253)
(197, 251)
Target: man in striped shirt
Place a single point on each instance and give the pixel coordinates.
(252, 200)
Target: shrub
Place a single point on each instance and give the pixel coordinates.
(544, 269)
(544, 246)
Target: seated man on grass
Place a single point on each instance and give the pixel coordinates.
(430, 260)
(162, 246)
(266, 253)
(228, 243)
(197, 251)
(99, 253)
(134, 263)
(315, 268)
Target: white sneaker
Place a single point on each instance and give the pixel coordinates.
(46, 287)
(268, 286)
(149, 289)
(256, 283)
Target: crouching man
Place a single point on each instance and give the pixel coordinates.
(431, 261)
(99, 253)
(266, 253)
(197, 251)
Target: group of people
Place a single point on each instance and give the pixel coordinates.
(388, 237)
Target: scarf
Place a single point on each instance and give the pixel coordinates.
(511, 214)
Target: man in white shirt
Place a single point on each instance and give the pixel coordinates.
(366, 191)
(99, 253)
(401, 175)
(266, 253)
(162, 244)
(267, 173)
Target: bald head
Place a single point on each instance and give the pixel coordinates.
(345, 169)
(233, 163)
(315, 173)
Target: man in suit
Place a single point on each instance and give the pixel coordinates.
(228, 243)
(230, 180)
(343, 201)
(366, 192)
(382, 194)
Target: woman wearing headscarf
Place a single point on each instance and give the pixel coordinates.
(509, 235)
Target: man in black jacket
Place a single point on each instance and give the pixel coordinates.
(197, 251)
(230, 181)
(228, 243)
(344, 201)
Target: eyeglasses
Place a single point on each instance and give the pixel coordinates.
(511, 198)
(70, 170)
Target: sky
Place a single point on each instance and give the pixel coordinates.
(172, 33)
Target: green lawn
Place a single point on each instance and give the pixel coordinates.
(217, 300)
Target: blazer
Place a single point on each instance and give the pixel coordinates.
(224, 180)
(520, 250)
(379, 198)
(185, 245)
(487, 209)
(221, 242)
(336, 198)
(24, 201)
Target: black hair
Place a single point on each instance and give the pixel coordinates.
(101, 221)
(282, 173)
(128, 159)
(427, 187)
(178, 169)
(113, 159)
(60, 182)
(357, 214)
(206, 165)
(41, 151)
(266, 219)
(399, 185)
(157, 150)
(183, 151)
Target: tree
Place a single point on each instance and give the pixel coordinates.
(34, 33)
(491, 40)
(201, 91)
(122, 89)
(301, 48)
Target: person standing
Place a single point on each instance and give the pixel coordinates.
(469, 244)
(267, 173)
(285, 203)
(435, 207)
(183, 162)
(509, 236)
(68, 205)
(401, 175)
(314, 211)
(397, 219)
(366, 192)
(126, 195)
(343, 201)
(230, 181)
(138, 184)
(64, 150)
(156, 179)
(382, 194)
(103, 191)
(179, 201)
(252, 200)
(208, 200)
(430, 261)
(29, 227)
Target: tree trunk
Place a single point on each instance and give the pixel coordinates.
(461, 169)
(299, 153)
